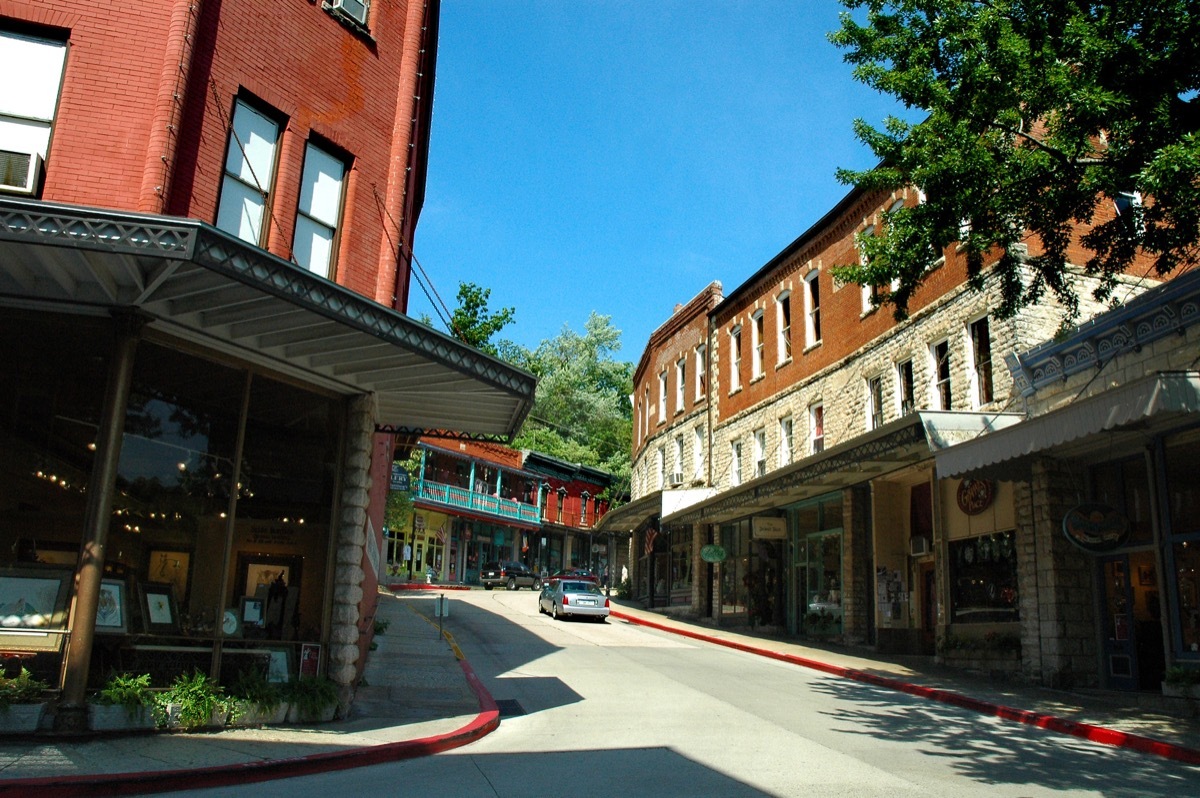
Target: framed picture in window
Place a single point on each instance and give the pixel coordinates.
(165, 567)
(112, 612)
(160, 615)
(279, 669)
(259, 574)
(33, 600)
(253, 612)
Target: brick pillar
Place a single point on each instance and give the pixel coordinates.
(351, 537)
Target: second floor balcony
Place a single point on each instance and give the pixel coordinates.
(476, 501)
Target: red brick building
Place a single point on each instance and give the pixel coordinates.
(207, 212)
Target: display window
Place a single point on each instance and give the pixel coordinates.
(983, 579)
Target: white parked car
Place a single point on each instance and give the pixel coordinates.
(564, 597)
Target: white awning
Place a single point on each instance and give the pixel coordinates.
(201, 284)
(1153, 401)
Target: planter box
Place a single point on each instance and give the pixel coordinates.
(115, 718)
(248, 714)
(987, 661)
(217, 720)
(1191, 691)
(21, 718)
(294, 715)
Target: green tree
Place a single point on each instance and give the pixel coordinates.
(581, 411)
(473, 323)
(1039, 112)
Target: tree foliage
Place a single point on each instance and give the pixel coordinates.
(1040, 112)
(581, 412)
(473, 323)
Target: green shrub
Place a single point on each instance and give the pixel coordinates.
(126, 690)
(381, 625)
(21, 689)
(1182, 676)
(311, 694)
(253, 687)
(198, 697)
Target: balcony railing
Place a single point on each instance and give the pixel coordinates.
(474, 501)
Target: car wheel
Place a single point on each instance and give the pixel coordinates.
(512, 583)
(487, 587)
(537, 585)
(554, 613)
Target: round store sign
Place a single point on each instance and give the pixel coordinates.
(713, 553)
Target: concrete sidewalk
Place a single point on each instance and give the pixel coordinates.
(420, 698)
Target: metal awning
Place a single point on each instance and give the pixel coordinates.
(1139, 407)
(204, 285)
(893, 446)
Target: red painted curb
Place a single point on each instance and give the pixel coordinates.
(1086, 731)
(434, 588)
(487, 721)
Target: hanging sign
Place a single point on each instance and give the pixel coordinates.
(712, 553)
(1096, 528)
(768, 527)
(975, 495)
(399, 477)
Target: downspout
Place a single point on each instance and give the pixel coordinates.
(168, 107)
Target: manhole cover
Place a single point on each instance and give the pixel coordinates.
(509, 707)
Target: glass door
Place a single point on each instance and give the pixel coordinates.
(1120, 662)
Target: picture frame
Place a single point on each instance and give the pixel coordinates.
(112, 612)
(160, 613)
(279, 670)
(170, 567)
(310, 659)
(253, 612)
(257, 572)
(33, 600)
(1145, 575)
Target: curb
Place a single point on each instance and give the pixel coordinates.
(429, 588)
(487, 721)
(1086, 731)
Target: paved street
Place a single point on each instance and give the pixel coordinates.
(593, 709)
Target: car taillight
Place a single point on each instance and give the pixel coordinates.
(566, 601)
(607, 603)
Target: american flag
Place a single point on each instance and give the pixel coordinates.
(441, 533)
(651, 534)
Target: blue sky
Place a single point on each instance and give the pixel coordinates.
(617, 156)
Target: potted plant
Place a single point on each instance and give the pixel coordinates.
(1181, 681)
(255, 701)
(313, 699)
(123, 704)
(21, 703)
(191, 702)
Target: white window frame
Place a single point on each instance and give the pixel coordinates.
(816, 424)
(757, 344)
(662, 396)
(701, 371)
(29, 105)
(319, 211)
(812, 309)
(868, 291)
(760, 451)
(660, 463)
(943, 400)
(698, 452)
(875, 402)
(680, 383)
(901, 383)
(735, 358)
(982, 374)
(787, 441)
(735, 463)
(679, 451)
(783, 318)
(249, 174)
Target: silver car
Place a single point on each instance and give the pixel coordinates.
(564, 597)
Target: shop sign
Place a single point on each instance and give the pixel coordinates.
(399, 477)
(1096, 527)
(975, 495)
(712, 553)
(769, 528)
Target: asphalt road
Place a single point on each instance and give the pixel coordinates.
(616, 709)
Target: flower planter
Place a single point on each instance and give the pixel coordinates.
(295, 715)
(217, 721)
(247, 713)
(1173, 690)
(21, 718)
(116, 718)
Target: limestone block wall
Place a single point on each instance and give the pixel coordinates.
(351, 536)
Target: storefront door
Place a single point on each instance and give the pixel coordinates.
(1119, 655)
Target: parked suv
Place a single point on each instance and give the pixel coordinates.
(511, 575)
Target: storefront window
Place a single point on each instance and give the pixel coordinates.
(822, 582)
(735, 539)
(983, 579)
(681, 562)
(1124, 486)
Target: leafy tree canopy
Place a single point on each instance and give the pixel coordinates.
(473, 323)
(1039, 113)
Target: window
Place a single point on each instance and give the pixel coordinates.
(875, 402)
(680, 378)
(783, 307)
(701, 372)
(1128, 205)
(869, 292)
(760, 452)
(353, 10)
(812, 310)
(983, 579)
(897, 206)
(646, 418)
(660, 466)
(756, 334)
(941, 374)
(981, 361)
(677, 473)
(249, 174)
(27, 107)
(816, 427)
(735, 358)
(786, 450)
(735, 463)
(904, 376)
(698, 453)
(320, 210)
(662, 396)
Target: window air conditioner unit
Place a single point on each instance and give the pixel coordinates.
(676, 479)
(19, 171)
(355, 9)
(918, 546)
